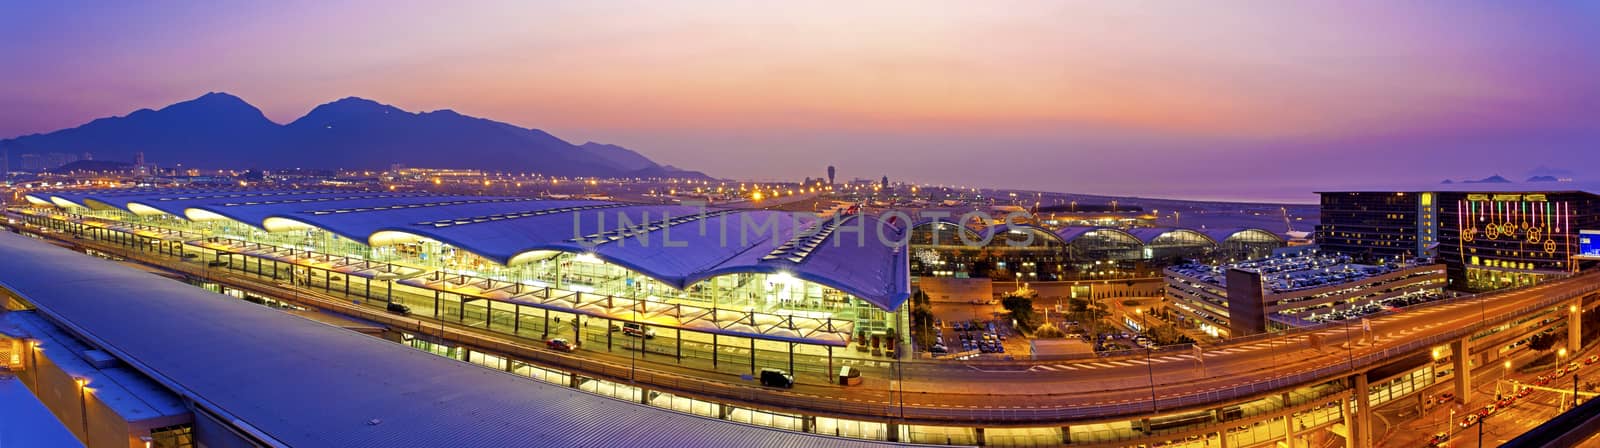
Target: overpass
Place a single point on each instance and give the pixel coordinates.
(1304, 370)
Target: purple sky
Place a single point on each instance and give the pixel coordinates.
(1260, 99)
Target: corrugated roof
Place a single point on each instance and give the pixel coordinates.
(307, 384)
(686, 244)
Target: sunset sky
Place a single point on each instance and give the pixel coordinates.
(1201, 99)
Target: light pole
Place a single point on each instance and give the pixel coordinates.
(83, 405)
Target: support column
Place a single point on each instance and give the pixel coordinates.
(977, 434)
(1222, 438)
(1361, 422)
(1288, 423)
(1066, 435)
(1575, 327)
(1461, 355)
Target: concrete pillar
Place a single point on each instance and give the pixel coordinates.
(1461, 353)
(1346, 415)
(977, 434)
(1066, 435)
(1362, 429)
(1575, 327)
(1288, 423)
(1222, 438)
(892, 433)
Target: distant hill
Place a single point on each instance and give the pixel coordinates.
(1543, 179)
(218, 130)
(1495, 179)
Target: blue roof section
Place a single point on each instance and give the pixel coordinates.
(307, 384)
(853, 258)
(991, 231)
(1220, 235)
(677, 245)
(1148, 235)
(24, 421)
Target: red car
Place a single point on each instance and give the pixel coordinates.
(1524, 392)
(1471, 418)
(560, 344)
(1446, 397)
(1506, 402)
(1591, 359)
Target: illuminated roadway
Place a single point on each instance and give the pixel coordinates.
(1023, 393)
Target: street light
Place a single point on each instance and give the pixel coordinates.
(83, 404)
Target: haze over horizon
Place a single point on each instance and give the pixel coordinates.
(1263, 100)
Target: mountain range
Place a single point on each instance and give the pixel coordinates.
(219, 130)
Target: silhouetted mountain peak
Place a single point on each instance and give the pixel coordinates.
(347, 108)
(1495, 179)
(222, 130)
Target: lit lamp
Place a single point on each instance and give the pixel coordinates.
(83, 404)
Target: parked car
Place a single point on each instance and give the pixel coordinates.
(561, 345)
(776, 378)
(1523, 393)
(1488, 410)
(1438, 439)
(1446, 397)
(1471, 418)
(1591, 359)
(399, 309)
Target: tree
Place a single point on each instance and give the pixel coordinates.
(921, 320)
(1541, 342)
(1021, 309)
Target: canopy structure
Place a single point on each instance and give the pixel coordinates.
(676, 245)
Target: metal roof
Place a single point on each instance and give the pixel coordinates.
(308, 384)
(1221, 235)
(1148, 235)
(677, 245)
(1071, 233)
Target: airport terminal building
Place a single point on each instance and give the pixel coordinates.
(1028, 252)
(772, 284)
